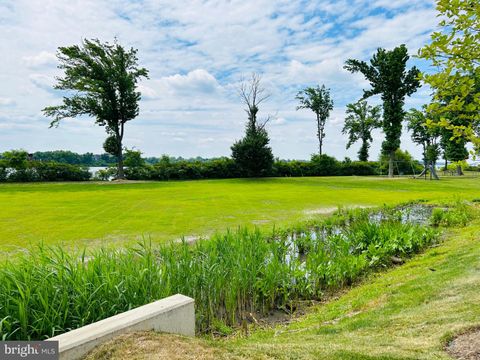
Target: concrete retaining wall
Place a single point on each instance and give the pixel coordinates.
(175, 314)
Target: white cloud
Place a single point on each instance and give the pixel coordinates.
(196, 53)
(278, 121)
(42, 81)
(147, 92)
(198, 80)
(40, 59)
(6, 101)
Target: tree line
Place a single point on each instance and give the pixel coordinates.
(89, 159)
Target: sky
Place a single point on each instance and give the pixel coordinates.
(197, 53)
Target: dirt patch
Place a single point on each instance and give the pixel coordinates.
(330, 210)
(466, 346)
(151, 345)
(321, 211)
(189, 239)
(126, 181)
(260, 222)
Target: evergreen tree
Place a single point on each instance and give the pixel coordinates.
(252, 154)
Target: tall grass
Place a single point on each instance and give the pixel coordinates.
(46, 291)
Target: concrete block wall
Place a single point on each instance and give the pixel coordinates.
(174, 314)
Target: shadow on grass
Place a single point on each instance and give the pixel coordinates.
(350, 355)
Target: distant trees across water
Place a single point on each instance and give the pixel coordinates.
(93, 160)
(69, 157)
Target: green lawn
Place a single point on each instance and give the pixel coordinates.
(406, 313)
(92, 213)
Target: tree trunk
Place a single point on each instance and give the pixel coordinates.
(425, 159)
(120, 171)
(320, 135)
(433, 171)
(459, 170)
(390, 164)
(363, 152)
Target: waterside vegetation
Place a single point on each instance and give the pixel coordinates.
(46, 290)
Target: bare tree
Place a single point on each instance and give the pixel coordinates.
(252, 154)
(252, 93)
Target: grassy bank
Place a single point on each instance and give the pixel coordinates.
(406, 313)
(93, 213)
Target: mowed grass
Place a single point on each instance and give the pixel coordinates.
(407, 313)
(94, 213)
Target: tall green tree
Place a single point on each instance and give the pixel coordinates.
(318, 100)
(454, 52)
(16, 159)
(389, 78)
(426, 136)
(452, 144)
(360, 121)
(102, 82)
(252, 154)
(454, 136)
(455, 149)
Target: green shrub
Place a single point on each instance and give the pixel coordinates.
(359, 168)
(459, 215)
(108, 174)
(52, 171)
(324, 165)
(224, 168)
(3, 173)
(22, 170)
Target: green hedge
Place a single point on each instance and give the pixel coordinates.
(33, 171)
(224, 168)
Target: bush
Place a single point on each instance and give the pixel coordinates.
(106, 174)
(166, 169)
(224, 168)
(53, 171)
(3, 173)
(22, 175)
(32, 171)
(292, 168)
(131, 173)
(324, 165)
(471, 168)
(360, 168)
(459, 215)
